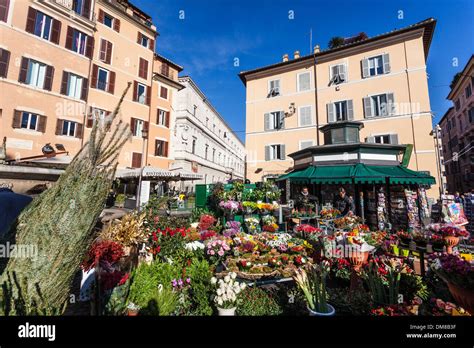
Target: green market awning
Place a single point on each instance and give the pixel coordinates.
(359, 174)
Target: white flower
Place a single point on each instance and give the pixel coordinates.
(195, 224)
(243, 286)
(219, 292)
(227, 279)
(233, 275)
(213, 280)
(219, 301)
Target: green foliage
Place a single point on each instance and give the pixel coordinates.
(162, 301)
(257, 302)
(197, 212)
(146, 279)
(201, 289)
(335, 42)
(116, 301)
(412, 285)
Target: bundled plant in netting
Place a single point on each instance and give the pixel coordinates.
(60, 224)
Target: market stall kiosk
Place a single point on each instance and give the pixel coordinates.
(386, 193)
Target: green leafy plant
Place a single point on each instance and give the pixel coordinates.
(257, 302)
(201, 288)
(313, 286)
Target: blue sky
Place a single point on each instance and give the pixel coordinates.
(258, 32)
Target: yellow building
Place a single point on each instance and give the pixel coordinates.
(380, 81)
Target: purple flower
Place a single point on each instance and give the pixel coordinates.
(174, 283)
(188, 280)
(180, 282)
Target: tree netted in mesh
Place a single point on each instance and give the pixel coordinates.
(60, 225)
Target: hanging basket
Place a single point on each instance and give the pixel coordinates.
(451, 242)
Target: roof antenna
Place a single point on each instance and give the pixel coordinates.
(310, 40)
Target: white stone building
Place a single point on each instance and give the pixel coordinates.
(201, 140)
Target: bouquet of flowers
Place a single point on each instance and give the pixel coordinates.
(404, 236)
(375, 239)
(227, 290)
(437, 241)
(216, 250)
(252, 224)
(441, 308)
(206, 221)
(265, 207)
(230, 207)
(231, 228)
(249, 207)
(329, 213)
(453, 269)
(453, 231)
(104, 253)
(399, 309)
(349, 221)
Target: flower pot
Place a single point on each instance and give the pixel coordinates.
(132, 312)
(226, 311)
(464, 297)
(405, 252)
(331, 312)
(357, 259)
(451, 242)
(395, 249)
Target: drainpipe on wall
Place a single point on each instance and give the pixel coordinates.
(316, 50)
(411, 110)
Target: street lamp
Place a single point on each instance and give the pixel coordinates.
(142, 164)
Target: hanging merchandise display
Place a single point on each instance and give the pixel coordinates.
(381, 210)
(412, 210)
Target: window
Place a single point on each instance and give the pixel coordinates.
(340, 111)
(376, 65)
(141, 93)
(97, 115)
(471, 115)
(213, 155)
(73, 86)
(105, 52)
(304, 81)
(274, 120)
(274, 152)
(79, 42)
(193, 147)
(457, 104)
(206, 150)
(137, 126)
(379, 105)
(468, 91)
(305, 144)
(144, 41)
(43, 25)
(69, 128)
(108, 21)
(4, 61)
(4, 5)
(36, 74)
(136, 160)
(161, 148)
(273, 88)
(102, 79)
(305, 116)
(163, 118)
(164, 92)
(82, 7)
(383, 139)
(338, 74)
(29, 121)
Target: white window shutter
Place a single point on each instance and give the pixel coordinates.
(367, 107)
(393, 138)
(365, 68)
(370, 140)
(386, 63)
(276, 86)
(334, 71)
(390, 104)
(267, 153)
(267, 122)
(350, 110)
(342, 72)
(331, 113)
(282, 151)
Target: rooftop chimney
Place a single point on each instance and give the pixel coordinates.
(285, 57)
(296, 55)
(316, 49)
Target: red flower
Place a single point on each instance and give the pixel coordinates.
(124, 279)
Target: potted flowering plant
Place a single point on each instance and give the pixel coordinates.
(227, 292)
(420, 239)
(132, 309)
(216, 250)
(313, 285)
(404, 237)
(252, 224)
(230, 208)
(437, 241)
(451, 235)
(459, 275)
(249, 207)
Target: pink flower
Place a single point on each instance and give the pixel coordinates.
(220, 252)
(212, 252)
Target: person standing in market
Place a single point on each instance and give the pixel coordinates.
(304, 200)
(458, 198)
(343, 202)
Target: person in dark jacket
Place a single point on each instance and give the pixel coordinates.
(304, 200)
(343, 202)
(11, 205)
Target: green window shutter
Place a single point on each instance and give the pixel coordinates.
(365, 68)
(267, 153)
(350, 110)
(367, 107)
(331, 113)
(386, 63)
